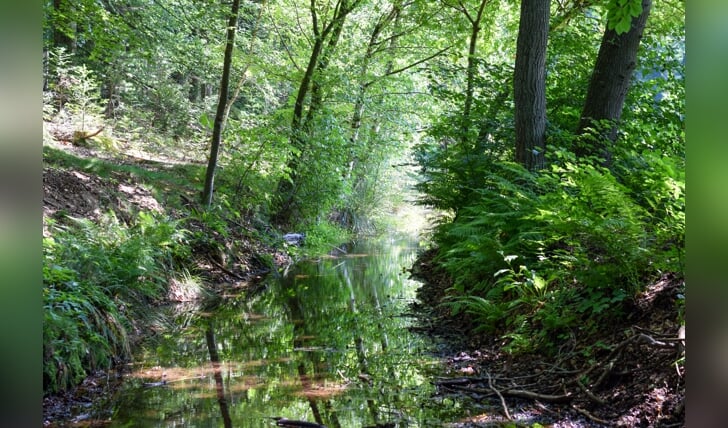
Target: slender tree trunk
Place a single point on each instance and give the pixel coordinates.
(317, 95)
(318, 61)
(616, 62)
(220, 115)
(286, 187)
(217, 374)
(472, 68)
(244, 74)
(64, 37)
(359, 103)
(529, 82)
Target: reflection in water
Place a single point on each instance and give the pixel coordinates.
(328, 343)
(217, 374)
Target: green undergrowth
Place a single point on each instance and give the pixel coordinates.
(101, 276)
(98, 279)
(323, 237)
(537, 257)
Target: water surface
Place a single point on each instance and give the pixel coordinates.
(328, 343)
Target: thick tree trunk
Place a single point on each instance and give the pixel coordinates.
(529, 82)
(220, 115)
(616, 62)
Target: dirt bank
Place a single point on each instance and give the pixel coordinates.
(635, 378)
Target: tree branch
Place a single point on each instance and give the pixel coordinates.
(407, 67)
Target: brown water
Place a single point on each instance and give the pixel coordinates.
(328, 343)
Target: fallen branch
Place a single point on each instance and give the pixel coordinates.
(468, 389)
(455, 381)
(604, 374)
(227, 271)
(658, 343)
(536, 396)
(590, 416)
(503, 401)
(590, 394)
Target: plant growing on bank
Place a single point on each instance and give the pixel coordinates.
(586, 240)
(98, 280)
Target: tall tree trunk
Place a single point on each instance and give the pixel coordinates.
(220, 115)
(529, 82)
(317, 95)
(616, 62)
(472, 67)
(286, 187)
(359, 103)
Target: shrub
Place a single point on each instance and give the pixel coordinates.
(585, 240)
(97, 278)
(324, 236)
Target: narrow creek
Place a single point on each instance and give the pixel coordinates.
(326, 343)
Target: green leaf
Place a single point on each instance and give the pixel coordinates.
(206, 121)
(636, 8)
(623, 26)
(539, 282)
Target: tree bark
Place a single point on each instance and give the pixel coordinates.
(615, 64)
(472, 67)
(220, 114)
(529, 82)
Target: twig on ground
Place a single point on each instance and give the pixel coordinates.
(468, 389)
(658, 343)
(544, 407)
(224, 269)
(536, 396)
(590, 416)
(590, 394)
(503, 401)
(605, 372)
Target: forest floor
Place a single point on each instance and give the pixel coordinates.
(633, 377)
(638, 376)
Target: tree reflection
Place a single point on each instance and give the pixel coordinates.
(217, 374)
(327, 344)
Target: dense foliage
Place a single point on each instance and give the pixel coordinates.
(97, 280)
(537, 255)
(328, 100)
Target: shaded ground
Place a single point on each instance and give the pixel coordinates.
(634, 378)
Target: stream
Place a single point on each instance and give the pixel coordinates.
(328, 342)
